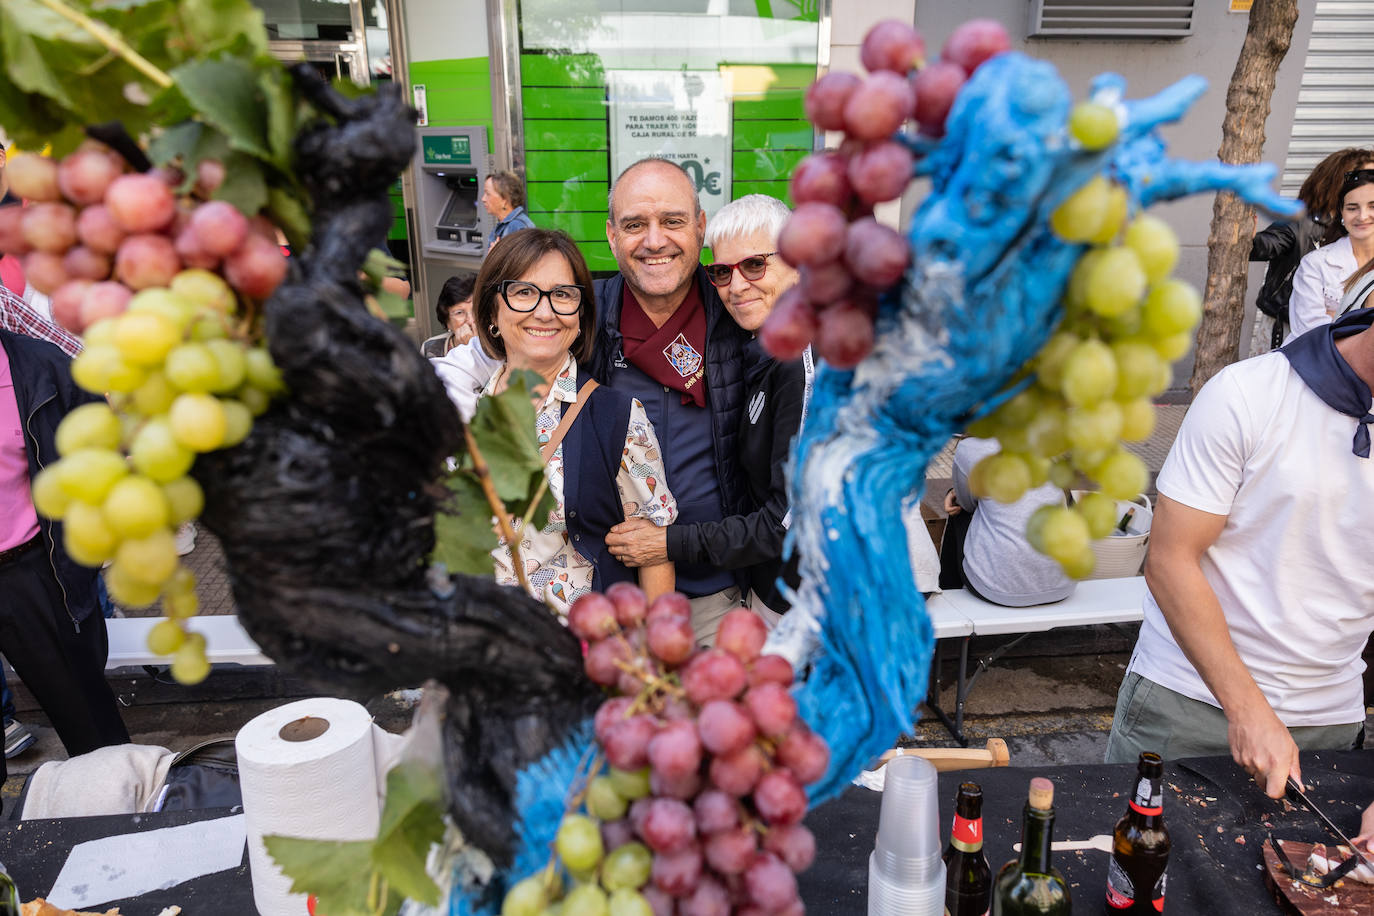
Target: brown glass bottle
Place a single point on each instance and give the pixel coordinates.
(968, 877)
(1140, 845)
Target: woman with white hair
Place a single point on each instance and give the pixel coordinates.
(750, 276)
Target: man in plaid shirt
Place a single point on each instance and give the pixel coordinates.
(19, 317)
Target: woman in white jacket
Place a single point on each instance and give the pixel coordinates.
(1319, 283)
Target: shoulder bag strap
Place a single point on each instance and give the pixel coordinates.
(570, 414)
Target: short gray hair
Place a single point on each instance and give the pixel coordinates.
(610, 195)
(750, 214)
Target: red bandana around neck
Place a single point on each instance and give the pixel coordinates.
(674, 354)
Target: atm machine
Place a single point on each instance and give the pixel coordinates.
(450, 168)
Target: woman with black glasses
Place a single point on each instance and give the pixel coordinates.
(1319, 283)
(535, 311)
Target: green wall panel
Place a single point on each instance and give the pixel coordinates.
(582, 226)
(542, 102)
(556, 165)
(778, 189)
(561, 70)
(568, 195)
(766, 165)
(752, 135)
(456, 91)
(566, 135)
(781, 105)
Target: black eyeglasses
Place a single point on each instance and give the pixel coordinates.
(1360, 175)
(524, 297)
(751, 268)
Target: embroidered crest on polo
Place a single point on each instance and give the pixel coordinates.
(683, 356)
(756, 407)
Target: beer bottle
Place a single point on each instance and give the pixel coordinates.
(1140, 845)
(9, 895)
(968, 878)
(1031, 885)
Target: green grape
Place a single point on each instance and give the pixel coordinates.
(1155, 244)
(1075, 293)
(255, 399)
(1137, 420)
(578, 842)
(192, 367)
(129, 591)
(1080, 216)
(627, 866)
(631, 784)
(164, 302)
(1063, 533)
(229, 358)
(986, 427)
(1099, 511)
(1087, 459)
(1127, 324)
(1095, 427)
(1080, 565)
(189, 664)
(1053, 356)
(263, 372)
(209, 327)
(1174, 346)
(150, 560)
(626, 902)
(1005, 477)
(198, 422)
(1172, 307)
(155, 395)
(86, 537)
(1089, 374)
(165, 637)
(205, 289)
(145, 338)
(1019, 410)
(88, 474)
(1093, 125)
(1035, 527)
(238, 421)
(1115, 283)
(1114, 215)
(1014, 439)
(185, 500)
(88, 426)
(135, 507)
(156, 453)
(100, 368)
(1062, 474)
(977, 479)
(586, 900)
(179, 599)
(525, 898)
(99, 333)
(1039, 468)
(1121, 476)
(603, 801)
(1047, 435)
(1137, 366)
(49, 498)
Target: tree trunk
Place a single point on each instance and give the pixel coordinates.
(1267, 38)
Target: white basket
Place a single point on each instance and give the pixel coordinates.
(1122, 556)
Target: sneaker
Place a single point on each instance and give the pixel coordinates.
(186, 539)
(18, 738)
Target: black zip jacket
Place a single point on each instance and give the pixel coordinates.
(45, 393)
(1283, 245)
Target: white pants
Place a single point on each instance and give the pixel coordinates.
(709, 610)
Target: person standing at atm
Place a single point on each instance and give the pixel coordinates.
(503, 194)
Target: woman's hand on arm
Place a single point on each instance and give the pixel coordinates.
(638, 542)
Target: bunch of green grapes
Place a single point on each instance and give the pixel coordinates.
(1093, 383)
(181, 379)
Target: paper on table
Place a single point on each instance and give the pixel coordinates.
(117, 867)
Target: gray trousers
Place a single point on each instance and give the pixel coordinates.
(1154, 718)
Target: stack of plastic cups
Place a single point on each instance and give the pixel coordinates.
(906, 876)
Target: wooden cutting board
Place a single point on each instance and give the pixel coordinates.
(1346, 898)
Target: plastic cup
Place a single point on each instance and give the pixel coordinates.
(907, 850)
(888, 898)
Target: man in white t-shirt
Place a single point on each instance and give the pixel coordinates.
(1261, 584)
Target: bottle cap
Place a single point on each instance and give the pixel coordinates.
(1041, 794)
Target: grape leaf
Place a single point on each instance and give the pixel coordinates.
(340, 875)
(217, 24)
(412, 821)
(463, 534)
(504, 429)
(244, 185)
(286, 210)
(225, 92)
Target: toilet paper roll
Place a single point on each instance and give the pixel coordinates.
(322, 785)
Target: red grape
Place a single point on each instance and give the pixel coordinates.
(845, 335)
(822, 178)
(724, 727)
(33, 177)
(592, 617)
(780, 798)
(675, 751)
(12, 231)
(876, 254)
(804, 753)
(66, 304)
(790, 327)
(772, 708)
(104, 300)
(629, 682)
(771, 669)
(742, 633)
(709, 898)
(974, 42)
(187, 246)
(677, 872)
(736, 774)
(660, 902)
(714, 675)
(683, 788)
(715, 811)
(675, 708)
(823, 284)
(609, 713)
(936, 88)
(256, 268)
(631, 607)
(792, 843)
(770, 882)
(668, 826)
(615, 834)
(639, 810)
(209, 176)
(97, 229)
(44, 271)
(83, 263)
(730, 851)
(671, 639)
(814, 234)
(669, 605)
(627, 742)
(881, 172)
(84, 175)
(146, 260)
(877, 108)
(219, 227)
(49, 227)
(892, 45)
(604, 656)
(826, 99)
(140, 203)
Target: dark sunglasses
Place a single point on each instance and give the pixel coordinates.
(751, 268)
(521, 296)
(1359, 175)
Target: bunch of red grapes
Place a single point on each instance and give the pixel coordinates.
(700, 811)
(93, 233)
(846, 257)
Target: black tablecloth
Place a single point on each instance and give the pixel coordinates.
(1210, 805)
(1216, 815)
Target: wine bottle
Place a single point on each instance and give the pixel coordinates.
(9, 895)
(1125, 522)
(968, 877)
(1140, 845)
(1030, 885)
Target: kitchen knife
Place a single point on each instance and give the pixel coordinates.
(1294, 791)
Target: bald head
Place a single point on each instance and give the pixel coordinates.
(662, 167)
(654, 227)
